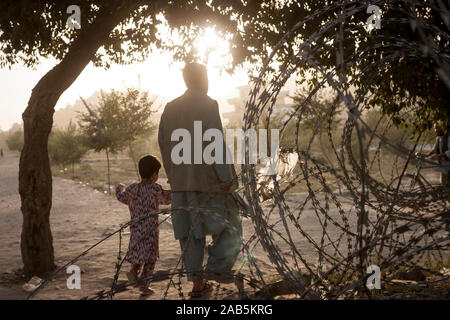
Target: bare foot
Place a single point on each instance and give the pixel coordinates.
(199, 285)
(132, 276)
(199, 288)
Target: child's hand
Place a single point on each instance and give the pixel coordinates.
(122, 194)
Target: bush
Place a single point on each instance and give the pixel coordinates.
(15, 141)
(65, 147)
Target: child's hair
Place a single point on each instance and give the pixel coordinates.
(148, 165)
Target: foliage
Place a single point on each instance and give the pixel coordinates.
(15, 141)
(118, 120)
(103, 126)
(66, 147)
(137, 109)
(403, 81)
(32, 30)
(382, 125)
(386, 75)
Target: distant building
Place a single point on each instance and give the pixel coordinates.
(234, 118)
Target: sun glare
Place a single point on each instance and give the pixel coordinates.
(159, 74)
(212, 49)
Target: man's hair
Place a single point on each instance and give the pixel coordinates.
(148, 165)
(193, 73)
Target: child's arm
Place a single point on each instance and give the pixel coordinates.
(123, 194)
(164, 196)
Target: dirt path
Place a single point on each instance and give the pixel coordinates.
(81, 216)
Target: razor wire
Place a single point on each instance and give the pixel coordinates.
(379, 208)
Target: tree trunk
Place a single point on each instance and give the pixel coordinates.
(35, 179)
(109, 177)
(133, 158)
(35, 187)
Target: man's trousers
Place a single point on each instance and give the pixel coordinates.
(197, 214)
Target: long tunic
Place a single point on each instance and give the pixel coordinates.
(141, 199)
(192, 111)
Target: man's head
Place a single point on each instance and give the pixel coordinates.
(196, 76)
(438, 129)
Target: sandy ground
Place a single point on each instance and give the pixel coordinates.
(81, 216)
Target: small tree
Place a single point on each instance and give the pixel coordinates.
(103, 126)
(15, 141)
(66, 147)
(137, 109)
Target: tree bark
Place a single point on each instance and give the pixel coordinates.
(35, 179)
(133, 158)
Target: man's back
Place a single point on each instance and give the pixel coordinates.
(181, 114)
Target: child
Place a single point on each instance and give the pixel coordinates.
(142, 198)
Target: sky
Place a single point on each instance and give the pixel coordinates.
(157, 75)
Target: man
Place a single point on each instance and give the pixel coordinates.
(441, 152)
(202, 194)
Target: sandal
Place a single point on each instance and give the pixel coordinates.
(219, 277)
(198, 294)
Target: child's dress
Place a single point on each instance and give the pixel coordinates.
(141, 199)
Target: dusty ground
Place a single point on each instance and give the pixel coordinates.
(82, 216)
